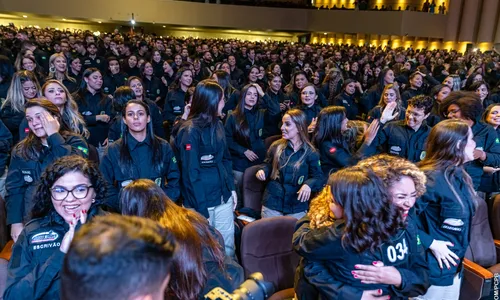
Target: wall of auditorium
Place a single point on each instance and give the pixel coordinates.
(394, 3)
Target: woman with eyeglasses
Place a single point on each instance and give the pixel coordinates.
(49, 139)
(68, 196)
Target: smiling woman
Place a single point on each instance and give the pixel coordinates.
(68, 195)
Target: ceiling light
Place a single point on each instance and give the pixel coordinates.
(164, 26)
(64, 19)
(132, 22)
(25, 16)
(99, 22)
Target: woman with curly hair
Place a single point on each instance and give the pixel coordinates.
(397, 267)
(69, 194)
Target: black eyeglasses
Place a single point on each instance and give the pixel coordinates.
(79, 192)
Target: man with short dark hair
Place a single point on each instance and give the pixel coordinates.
(118, 258)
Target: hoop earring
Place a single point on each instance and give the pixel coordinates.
(93, 200)
(52, 69)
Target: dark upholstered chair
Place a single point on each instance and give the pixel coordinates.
(481, 259)
(266, 247)
(253, 189)
(269, 140)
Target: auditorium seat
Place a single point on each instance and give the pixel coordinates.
(481, 259)
(269, 140)
(253, 189)
(266, 247)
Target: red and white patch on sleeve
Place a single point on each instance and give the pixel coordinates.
(26, 130)
(332, 150)
(188, 147)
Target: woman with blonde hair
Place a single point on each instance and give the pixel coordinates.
(58, 69)
(389, 107)
(292, 170)
(23, 87)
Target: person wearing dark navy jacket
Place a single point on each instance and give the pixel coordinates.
(152, 84)
(329, 139)
(136, 84)
(446, 210)
(292, 170)
(309, 105)
(468, 107)
(114, 77)
(140, 154)
(121, 97)
(49, 139)
(347, 99)
(207, 183)
(174, 102)
(94, 106)
(389, 107)
(245, 130)
(357, 253)
(68, 196)
(406, 138)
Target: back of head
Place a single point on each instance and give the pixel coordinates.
(118, 257)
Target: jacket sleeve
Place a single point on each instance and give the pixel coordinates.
(492, 149)
(73, 145)
(157, 120)
(232, 145)
(267, 166)
(379, 140)
(5, 146)
(173, 175)
(168, 113)
(188, 148)
(228, 165)
(15, 186)
(107, 169)
(317, 274)
(26, 280)
(23, 129)
(316, 244)
(315, 179)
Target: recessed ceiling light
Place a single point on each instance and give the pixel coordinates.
(99, 22)
(25, 16)
(64, 19)
(164, 26)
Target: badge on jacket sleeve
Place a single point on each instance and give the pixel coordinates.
(301, 180)
(332, 150)
(422, 155)
(28, 178)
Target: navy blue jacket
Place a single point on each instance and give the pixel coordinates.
(206, 168)
(349, 103)
(256, 120)
(327, 265)
(95, 105)
(335, 156)
(174, 105)
(281, 193)
(5, 146)
(486, 139)
(23, 174)
(12, 120)
(36, 261)
(113, 81)
(399, 139)
(166, 176)
(443, 217)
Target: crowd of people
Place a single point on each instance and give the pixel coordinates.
(382, 155)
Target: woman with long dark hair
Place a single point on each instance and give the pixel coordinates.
(136, 84)
(94, 106)
(24, 86)
(347, 98)
(332, 144)
(371, 246)
(121, 97)
(174, 102)
(131, 66)
(292, 170)
(201, 264)
(152, 85)
(114, 77)
(446, 209)
(399, 269)
(231, 95)
(245, 129)
(207, 183)
(438, 93)
(49, 138)
(69, 194)
(138, 147)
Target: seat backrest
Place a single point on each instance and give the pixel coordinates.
(266, 247)
(495, 218)
(269, 140)
(253, 189)
(481, 248)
